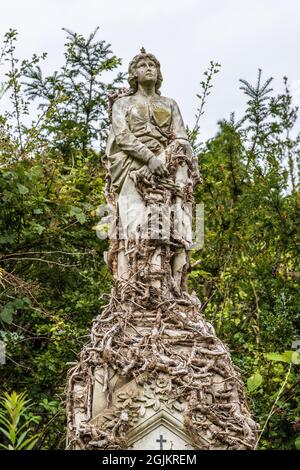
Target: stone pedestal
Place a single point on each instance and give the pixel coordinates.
(156, 422)
(157, 379)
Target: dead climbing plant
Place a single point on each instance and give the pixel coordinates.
(157, 334)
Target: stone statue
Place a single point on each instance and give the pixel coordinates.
(154, 373)
(152, 173)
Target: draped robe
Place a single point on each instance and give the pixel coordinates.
(142, 127)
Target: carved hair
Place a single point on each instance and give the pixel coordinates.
(132, 79)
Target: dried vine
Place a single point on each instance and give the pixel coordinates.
(157, 335)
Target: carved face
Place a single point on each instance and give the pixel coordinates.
(146, 71)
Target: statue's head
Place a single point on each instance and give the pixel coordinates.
(132, 78)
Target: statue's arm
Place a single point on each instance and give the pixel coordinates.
(180, 134)
(125, 139)
(178, 127)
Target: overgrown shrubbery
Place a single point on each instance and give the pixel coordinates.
(52, 275)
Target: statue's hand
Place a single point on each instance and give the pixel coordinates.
(146, 172)
(156, 166)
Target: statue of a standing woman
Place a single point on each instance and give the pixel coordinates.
(153, 362)
(152, 173)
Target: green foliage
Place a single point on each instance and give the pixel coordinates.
(287, 356)
(248, 273)
(254, 382)
(16, 422)
(52, 275)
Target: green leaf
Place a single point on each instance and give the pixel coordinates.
(18, 303)
(292, 357)
(37, 228)
(22, 189)
(254, 382)
(287, 356)
(297, 443)
(295, 358)
(22, 437)
(6, 314)
(29, 443)
(5, 432)
(275, 357)
(78, 214)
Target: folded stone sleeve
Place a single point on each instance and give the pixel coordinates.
(127, 142)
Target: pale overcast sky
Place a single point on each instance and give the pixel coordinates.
(184, 35)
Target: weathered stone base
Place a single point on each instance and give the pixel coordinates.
(154, 378)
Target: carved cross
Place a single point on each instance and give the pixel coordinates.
(161, 440)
